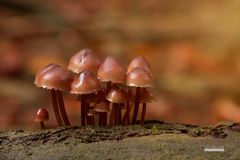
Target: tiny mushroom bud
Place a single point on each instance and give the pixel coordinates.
(85, 60)
(42, 116)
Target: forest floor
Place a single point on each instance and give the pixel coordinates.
(151, 140)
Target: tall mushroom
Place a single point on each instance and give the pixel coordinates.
(84, 83)
(111, 71)
(147, 96)
(118, 98)
(138, 78)
(42, 116)
(56, 79)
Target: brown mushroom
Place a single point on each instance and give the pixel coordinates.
(111, 71)
(84, 83)
(85, 60)
(101, 108)
(57, 79)
(147, 96)
(42, 116)
(117, 97)
(138, 78)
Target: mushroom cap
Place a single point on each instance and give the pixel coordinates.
(85, 83)
(139, 77)
(116, 96)
(42, 115)
(84, 60)
(101, 107)
(139, 62)
(111, 70)
(55, 77)
(147, 96)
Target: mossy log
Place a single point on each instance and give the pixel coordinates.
(151, 140)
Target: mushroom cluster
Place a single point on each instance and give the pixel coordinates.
(105, 89)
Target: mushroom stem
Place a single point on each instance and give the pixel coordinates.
(83, 110)
(55, 107)
(126, 117)
(136, 105)
(62, 108)
(42, 125)
(116, 120)
(144, 108)
(104, 115)
(112, 115)
(119, 115)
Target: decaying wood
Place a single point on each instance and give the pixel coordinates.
(152, 140)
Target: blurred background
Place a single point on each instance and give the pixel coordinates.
(192, 47)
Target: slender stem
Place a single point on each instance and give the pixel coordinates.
(88, 122)
(83, 110)
(42, 125)
(119, 115)
(112, 115)
(55, 107)
(104, 118)
(109, 85)
(116, 121)
(126, 117)
(62, 108)
(144, 108)
(136, 105)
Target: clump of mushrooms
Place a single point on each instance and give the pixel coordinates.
(84, 77)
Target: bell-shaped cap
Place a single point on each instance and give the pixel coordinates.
(116, 96)
(85, 83)
(139, 62)
(42, 115)
(101, 107)
(84, 60)
(139, 77)
(112, 71)
(147, 96)
(55, 77)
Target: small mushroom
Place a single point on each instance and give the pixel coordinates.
(147, 96)
(84, 60)
(118, 98)
(84, 83)
(101, 108)
(57, 79)
(42, 116)
(111, 71)
(138, 78)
